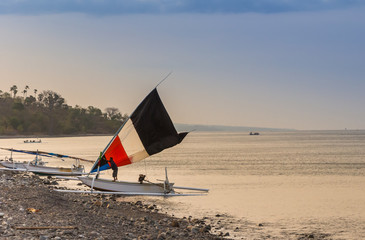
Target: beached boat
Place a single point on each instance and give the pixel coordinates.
(59, 171)
(38, 166)
(12, 164)
(122, 186)
(148, 130)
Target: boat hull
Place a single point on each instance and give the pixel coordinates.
(44, 170)
(122, 186)
(13, 165)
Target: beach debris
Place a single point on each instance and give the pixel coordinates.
(32, 210)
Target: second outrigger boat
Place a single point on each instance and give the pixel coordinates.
(38, 166)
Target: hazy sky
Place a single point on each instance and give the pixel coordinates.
(281, 64)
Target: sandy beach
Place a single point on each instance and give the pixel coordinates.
(29, 209)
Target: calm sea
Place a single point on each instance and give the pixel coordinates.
(275, 185)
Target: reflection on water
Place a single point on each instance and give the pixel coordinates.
(288, 183)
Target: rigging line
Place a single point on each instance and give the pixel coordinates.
(164, 79)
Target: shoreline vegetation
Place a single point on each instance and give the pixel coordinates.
(26, 215)
(47, 114)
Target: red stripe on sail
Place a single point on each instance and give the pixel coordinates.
(117, 152)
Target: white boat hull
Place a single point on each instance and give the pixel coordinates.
(54, 170)
(13, 165)
(123, 186)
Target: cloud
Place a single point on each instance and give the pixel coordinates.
(120, 7)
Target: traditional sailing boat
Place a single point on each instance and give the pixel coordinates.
(149, 130)
(38, 166)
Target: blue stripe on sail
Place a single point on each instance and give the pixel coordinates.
(102, 168)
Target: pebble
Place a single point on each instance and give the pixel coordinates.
(161, 236)
(175, 223)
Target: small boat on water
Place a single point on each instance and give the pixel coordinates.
(33, 141)
(254, 133)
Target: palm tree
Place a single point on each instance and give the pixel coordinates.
(14, 89)
(25, 91)
(35, 93)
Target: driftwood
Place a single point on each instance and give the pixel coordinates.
(45, 227)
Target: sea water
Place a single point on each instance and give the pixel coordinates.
(276, 185)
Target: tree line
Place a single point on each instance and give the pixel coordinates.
(46, 113)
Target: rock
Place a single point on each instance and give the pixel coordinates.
(130, 235)
(226, 234)
(98, 203)
(43, 237)
(195, 230)
(47, 182)
(94, 234)
(161, 236)
(205, 229)
(2, 214)
(261, 225)
(175, 223)
(68, 232)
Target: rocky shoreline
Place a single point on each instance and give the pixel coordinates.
(29, 209)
